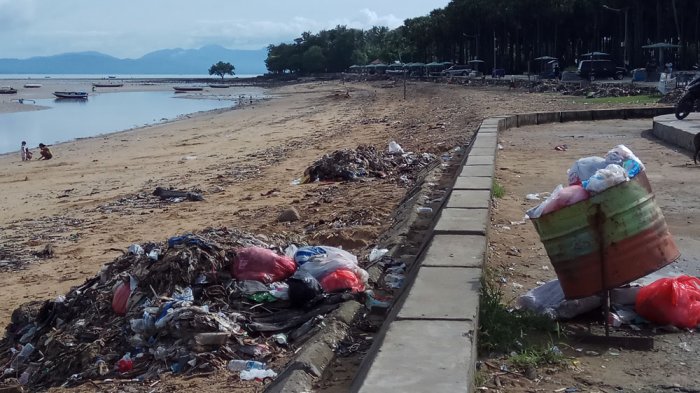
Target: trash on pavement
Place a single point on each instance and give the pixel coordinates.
(394, 148)
(177, 196)
(261, 264)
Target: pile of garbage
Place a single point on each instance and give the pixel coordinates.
(589, 176)
(188, 306)
(367, 161)
(592, 90)
(672, 97)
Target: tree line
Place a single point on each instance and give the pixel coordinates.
(507, 34)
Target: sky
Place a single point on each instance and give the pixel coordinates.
(132, 28)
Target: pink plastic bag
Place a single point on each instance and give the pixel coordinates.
(671, 301)
(261, 264)
(121, 298)
(341, 280)
(567, 196)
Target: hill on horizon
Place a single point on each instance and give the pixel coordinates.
(164, 61)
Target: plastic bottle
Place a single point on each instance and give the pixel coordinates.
(240, 365)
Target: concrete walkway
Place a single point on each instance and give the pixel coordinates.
(430, 344)
(678, 132)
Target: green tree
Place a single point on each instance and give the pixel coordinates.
(221, 69)
(313, 59)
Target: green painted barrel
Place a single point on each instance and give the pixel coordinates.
(622, 226)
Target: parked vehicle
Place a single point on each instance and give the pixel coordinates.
(597, 69)
(688, 102)
(458, 70)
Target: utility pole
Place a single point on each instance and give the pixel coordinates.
(624, 42)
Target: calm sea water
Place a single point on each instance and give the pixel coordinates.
(104, 113)
(119, 76)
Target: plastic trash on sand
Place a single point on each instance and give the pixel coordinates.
(621, 153)
(603, 179)
(548, 299)
(248, 375)
(341, 280)
(395, 148)
(561, 197)
(333, 259)
(302, 287)
(377, 253)
(261, 264)
(671, 301)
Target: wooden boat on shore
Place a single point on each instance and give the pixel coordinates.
(218, 86)
(32, 85)
(97, 84)
(8, 90)
(79, 95)
(179, 89)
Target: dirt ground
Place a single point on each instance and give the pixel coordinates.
(94, 198)
(528, 164)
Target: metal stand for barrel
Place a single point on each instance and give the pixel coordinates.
(638, 343)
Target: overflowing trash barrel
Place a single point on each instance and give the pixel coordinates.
(608, 240)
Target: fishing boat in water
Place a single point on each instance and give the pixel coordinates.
(179, 89)
(97, 84)
(8, 90)
(81, 95)
(32, 85)
(218, 86)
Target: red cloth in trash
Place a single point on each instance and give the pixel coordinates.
(671, 301)
(121, 298)
(261, 264)
(341, 280)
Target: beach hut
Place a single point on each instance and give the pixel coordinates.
(661, 47)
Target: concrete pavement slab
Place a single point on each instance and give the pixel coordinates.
(462, 221)
(424, 356)
(473, 183)
(443, 293)
(481, 151)
(456, 251)
(477, 170)
(470, 199)
(480, 160)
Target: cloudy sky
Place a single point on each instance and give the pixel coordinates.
(132, 28)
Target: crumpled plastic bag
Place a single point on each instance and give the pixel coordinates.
(603, 179)
(334, 259)
(671, 301)
(584, 168)
(303, 287)
(548, 299)
(566, 196)
(121, 298)
(621, 153)
(394, 148)
(261, 264)
(341, 280)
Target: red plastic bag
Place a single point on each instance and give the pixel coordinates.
(671, 301)
(341, 280)
(121, 298)
(261, 264)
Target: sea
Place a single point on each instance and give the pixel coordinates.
(108, 112)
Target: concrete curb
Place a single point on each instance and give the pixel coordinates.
(677, 132)
(430, 344)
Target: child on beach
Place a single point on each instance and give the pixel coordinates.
(25, 153)
(45, 152)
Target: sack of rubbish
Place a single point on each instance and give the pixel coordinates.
(548, 299)
(561, 197)
(341, 280)
(334, 259)
(603, 179)
(302, 288)
(621, 153)
(121, 298)
(671, 301)
(261, 264)
(584, 168)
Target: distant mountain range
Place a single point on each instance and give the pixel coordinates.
(166, 61)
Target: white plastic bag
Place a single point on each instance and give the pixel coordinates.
(603, 179)
(584, 168)
(621, 153)
(395, 148)
(334, 258)
(537, 211)
(548, 299)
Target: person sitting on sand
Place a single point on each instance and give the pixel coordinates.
(45, 152)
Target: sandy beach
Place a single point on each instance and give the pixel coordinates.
(94, 198)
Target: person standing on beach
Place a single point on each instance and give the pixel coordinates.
(45, 152)
(25, 153)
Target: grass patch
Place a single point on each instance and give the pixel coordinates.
(628, 100)
(497, 190)
(504, 330)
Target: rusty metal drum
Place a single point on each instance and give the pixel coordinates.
(608, 240)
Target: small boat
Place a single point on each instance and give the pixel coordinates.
(112, 77)
(32, 85)
(187, 88)
(8, 90)
(71, 94)
(107, 84)
(218, 86)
